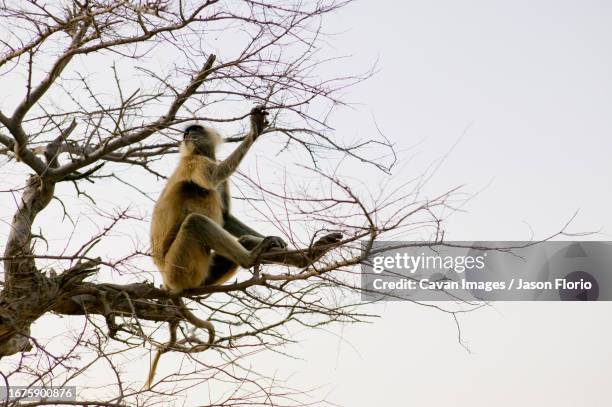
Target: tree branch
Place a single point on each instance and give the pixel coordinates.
(149, 129)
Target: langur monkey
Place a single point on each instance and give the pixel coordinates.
(186, 227)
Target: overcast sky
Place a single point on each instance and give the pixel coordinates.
(523, 91)
(529, 84)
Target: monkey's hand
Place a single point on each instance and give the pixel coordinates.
(258, 120)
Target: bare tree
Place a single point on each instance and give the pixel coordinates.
(96, 93)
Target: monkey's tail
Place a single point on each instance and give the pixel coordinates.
(188, 315)
(161, 351)
(200, 323)
(153, 368)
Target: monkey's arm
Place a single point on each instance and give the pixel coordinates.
(227, 167)
(236, 228)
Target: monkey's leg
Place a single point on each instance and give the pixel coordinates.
(188, 260)
(209, 234)
(222, 268)
(250, 238)
(302, 258)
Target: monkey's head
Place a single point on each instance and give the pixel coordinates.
(200, 140)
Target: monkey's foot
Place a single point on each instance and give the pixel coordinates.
(278, 243)
(329, 239)
(273, 242)
(324, 244)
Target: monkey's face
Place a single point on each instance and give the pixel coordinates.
(200, 140)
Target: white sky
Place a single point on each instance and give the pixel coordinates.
(529, 84)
